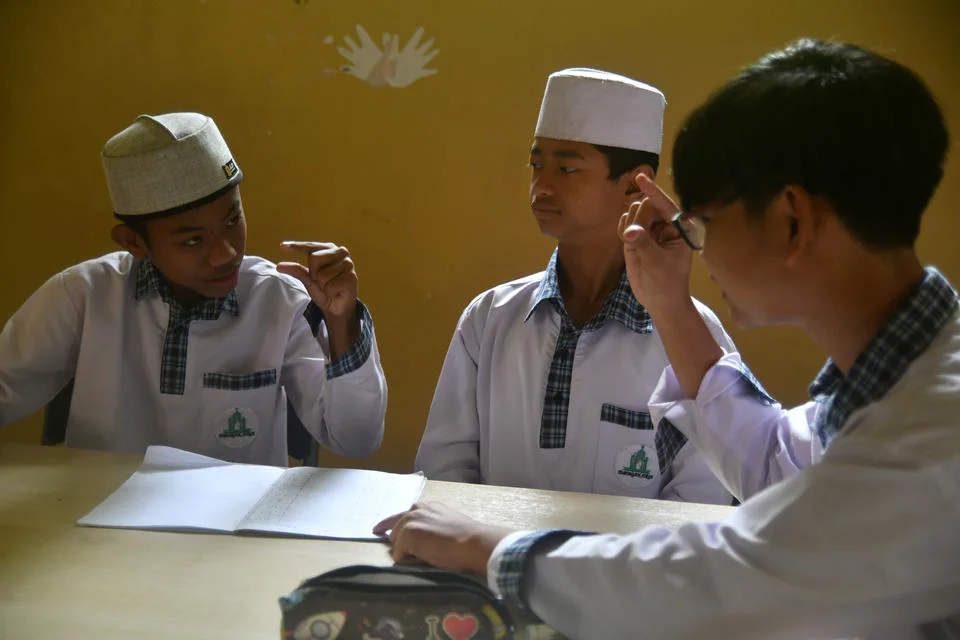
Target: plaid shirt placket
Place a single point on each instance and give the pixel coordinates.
(556, 399)
(620, 306)
(901, 340)
(361, 349)
(173, 362)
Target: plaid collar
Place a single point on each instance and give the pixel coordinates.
(150, 281)
(620, 305)
(900, 341)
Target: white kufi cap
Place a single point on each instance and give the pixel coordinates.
(598, 107)
(165, 163)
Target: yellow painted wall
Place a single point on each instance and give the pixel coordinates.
(427, 184)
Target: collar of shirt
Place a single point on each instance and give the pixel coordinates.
(620, 306)
(150, 281)
(900, 341)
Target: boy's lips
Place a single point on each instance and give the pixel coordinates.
(224, 279)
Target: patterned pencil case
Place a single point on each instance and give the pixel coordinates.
(393, 603)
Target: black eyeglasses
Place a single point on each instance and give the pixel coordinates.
(691, 229)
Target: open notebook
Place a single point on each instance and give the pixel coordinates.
(176, 490)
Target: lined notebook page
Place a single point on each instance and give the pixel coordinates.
(334, 503)
(178, 490)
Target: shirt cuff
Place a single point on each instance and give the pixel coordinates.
(510, 562)
(358, 354)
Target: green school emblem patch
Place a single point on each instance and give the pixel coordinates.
(639, 466)
(238, 427)
(636, 467)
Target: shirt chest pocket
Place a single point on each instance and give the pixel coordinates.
(626, 462)
(240, 381)
(239, 408)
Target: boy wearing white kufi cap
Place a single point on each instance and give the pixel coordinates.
(181, 339)
(546, 380)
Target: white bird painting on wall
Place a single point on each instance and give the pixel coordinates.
(387, 64)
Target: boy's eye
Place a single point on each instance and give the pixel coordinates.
(536, 165)
(191, 242)
(568, 169)
(234, 220)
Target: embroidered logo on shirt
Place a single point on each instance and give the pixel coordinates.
(240, 427)
(636, 468)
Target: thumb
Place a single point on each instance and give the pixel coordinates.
(301, 273)
(387, 524)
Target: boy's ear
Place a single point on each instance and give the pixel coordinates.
(129, 240)
(802, 217)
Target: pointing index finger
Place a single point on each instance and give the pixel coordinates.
(662, 205)
(307, 247)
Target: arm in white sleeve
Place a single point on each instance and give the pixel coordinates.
(39, 346)
(748, 440)
(865, 541)
(450, 448)
(690, 478)
(343, 403)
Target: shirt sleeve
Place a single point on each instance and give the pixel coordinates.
(689, 478)
(744, 436)
(342, 404)
(361, 349)
(510, 563)
(39, 347)
(863, 542)
(450, 447)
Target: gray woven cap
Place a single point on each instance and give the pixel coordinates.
(165, 162)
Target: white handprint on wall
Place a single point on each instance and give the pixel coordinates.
(363, 58)
(413, 60)
(389, 65)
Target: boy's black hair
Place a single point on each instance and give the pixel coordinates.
(622, 160)
(846, 124)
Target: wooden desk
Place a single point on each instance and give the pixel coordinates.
(62, 581)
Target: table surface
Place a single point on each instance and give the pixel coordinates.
(58, 580)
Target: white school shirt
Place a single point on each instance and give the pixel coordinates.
(513, 408)
(862, 540)
(105, 324)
